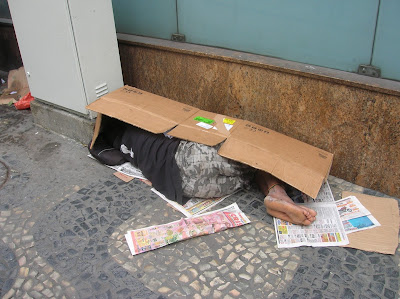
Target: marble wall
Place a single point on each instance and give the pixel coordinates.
(360, 126)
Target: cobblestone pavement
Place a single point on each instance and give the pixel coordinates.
(63, 217)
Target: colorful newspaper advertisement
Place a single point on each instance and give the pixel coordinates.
(153, 237)
(350, 207)
(326, 230)
(194, 206)
(354, 215)
(360, 223)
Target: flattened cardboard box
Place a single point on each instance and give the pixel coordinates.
(384, 238)
(301, 165)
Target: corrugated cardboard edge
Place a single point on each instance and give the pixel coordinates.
(382, 239)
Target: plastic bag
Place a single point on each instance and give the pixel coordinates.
(24, 102)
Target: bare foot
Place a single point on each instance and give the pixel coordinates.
(279, 205)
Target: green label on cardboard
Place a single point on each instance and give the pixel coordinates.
(204, 120)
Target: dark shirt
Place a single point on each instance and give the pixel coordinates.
(154, 155)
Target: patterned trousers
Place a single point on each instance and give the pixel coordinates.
(205, 174)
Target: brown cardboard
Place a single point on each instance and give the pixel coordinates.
(17, 85)
(123, 177)
(7, 101)
(211, 135)
(299, 164)
(96, 129)
(142, 109)
(382, 239)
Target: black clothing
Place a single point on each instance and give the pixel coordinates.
(154, 155)
(106, 153)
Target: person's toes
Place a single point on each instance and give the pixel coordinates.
(309, 216)
(289, 211)
(306, 222)
(309, 212)
(312, 212)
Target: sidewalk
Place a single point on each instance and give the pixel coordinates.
(63, 217)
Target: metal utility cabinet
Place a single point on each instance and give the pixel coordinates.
(69, 49)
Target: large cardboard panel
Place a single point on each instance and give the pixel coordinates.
(142, 109)
(205, 127)
(384, 238)
(301, 165)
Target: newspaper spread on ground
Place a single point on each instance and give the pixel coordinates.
(326, 230)
(324, 194)
(130, 170)
(153, 237)
(194, 206)
(354, 215)
(350, 207)
(127, 169)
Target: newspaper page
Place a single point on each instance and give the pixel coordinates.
(360, 223)
(354, 215)
(130, 170)
(350, 207)
(194, 206)
(153, 237)
(324, 194)
(326, 230)
(127, 169)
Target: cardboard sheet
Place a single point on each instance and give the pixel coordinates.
(205, 127)
(17, 85)
(7, 101)
(143, 109)
(382, 239)
(301, 165)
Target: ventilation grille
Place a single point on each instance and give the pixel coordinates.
(101, 90)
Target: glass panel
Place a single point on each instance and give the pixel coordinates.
(332, 33)
(155, 18)
(387, 41)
